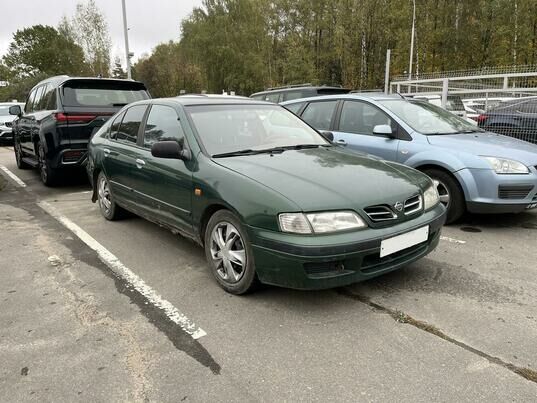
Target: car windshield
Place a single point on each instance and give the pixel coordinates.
(4, 110)
(231, 128)
(428, 119)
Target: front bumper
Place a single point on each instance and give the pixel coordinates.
(6, 134)
(327, 261)
(487, 192)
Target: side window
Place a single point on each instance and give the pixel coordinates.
(162, 124)
(272, 97)
(295, 107)
(290, 95)
(258, 97)
(114, 127)
(29, 102)
(43, 103)
(130, 126)
(38, 98)
(361, 118)
(51, 100)
(319, 114)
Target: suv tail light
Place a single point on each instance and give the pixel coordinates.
(481, 118)
(78, 118)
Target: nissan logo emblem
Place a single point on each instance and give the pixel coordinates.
(398, 206)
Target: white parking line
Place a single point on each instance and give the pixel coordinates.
(17, 180)
(452, 240)
(125, 273)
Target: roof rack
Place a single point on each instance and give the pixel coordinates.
(289, 86)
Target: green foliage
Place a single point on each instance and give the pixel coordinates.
(166, 72)
(42, 50)
(117, 71)
(248, 45)
(88, 27)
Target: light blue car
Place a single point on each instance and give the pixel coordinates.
(474, 170)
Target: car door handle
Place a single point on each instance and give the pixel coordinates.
(140, 163)
(342, 142)
(106, 152)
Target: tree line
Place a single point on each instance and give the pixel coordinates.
(248, 45)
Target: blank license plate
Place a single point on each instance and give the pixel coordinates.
(403, 241)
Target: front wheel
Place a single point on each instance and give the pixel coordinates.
(229, 253)
(450, 192)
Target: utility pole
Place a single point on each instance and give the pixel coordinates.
(387, 72)
(126, 32)
(412, 40)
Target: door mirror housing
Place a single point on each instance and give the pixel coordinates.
(15, 110)
(327, 135)
(170, 149)
(384, 130)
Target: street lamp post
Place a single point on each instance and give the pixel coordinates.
(126, 33)
(412, 40)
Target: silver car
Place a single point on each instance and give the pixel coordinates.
(474, 170)
(6, 121)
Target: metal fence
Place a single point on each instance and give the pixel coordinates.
(501, 100)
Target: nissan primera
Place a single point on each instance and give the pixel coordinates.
(269, 198)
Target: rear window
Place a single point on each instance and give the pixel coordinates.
(102, 93)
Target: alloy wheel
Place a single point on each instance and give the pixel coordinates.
(443, 192)
(228, 252)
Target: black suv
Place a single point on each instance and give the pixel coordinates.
(281, 94)
(59, 118)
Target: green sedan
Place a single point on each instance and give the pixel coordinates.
(269, 198)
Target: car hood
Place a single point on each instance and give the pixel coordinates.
(330, 178)
(488, 144)
(7, 118)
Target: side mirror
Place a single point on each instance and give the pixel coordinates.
(170, 149)
(15, 110)
(383, 130)
(327, 135)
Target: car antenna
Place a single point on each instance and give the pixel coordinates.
(398, 93)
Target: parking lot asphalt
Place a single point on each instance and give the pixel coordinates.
(460, 324)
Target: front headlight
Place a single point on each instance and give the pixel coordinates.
(320, 223)
(430, 198)
(504, 166)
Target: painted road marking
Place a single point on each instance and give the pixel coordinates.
(452, 240)
(17, 180)
(125, 273)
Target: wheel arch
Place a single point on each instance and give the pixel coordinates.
(427, 166)
(206, 215)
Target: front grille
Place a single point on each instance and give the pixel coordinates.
(413, 205)
(8, 124)
(380, 213)
(512, 192)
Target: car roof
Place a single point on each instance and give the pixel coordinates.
(375, 96)
(59, 80)
(296, 88)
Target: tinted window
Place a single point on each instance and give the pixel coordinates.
(272, 97)
(114, 128)
(128, 131)
(162, 124)
(319, 114)
(45, 102)
(295, 107)
(288, 96)
(361, 117)
(36, 105)
(102, 93)
(259, 97)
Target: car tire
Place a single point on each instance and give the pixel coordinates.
(107, 204)
(47, 174)
(19, 155)
(229, 253)
(451, 194)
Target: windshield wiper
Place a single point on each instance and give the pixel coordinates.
(249, 151)
(304, 146)
(119, 104)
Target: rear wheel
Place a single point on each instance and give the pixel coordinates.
(18, 156)
(229, 253)
(107, 204)
(450, 192)
(48, 175)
